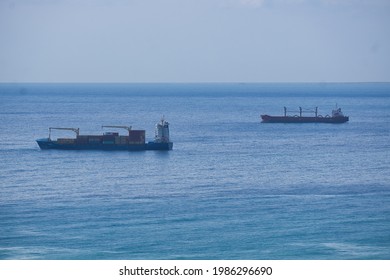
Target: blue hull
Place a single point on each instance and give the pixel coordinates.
(46, 144)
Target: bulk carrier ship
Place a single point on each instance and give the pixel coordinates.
(134, 141)
(337, 117)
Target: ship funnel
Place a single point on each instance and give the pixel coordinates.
(162, 132)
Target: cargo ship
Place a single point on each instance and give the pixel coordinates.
(336, 117)
(111, 141)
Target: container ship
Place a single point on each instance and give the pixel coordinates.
(336, 117)
(134, 141)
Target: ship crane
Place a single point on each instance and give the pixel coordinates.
(75, 130)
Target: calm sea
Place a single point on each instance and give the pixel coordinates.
(231, 188)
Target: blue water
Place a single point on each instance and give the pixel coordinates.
(231, 188)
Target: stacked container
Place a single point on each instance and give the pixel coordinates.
(65, 141)
(82, 139)
(95, 139)
(137, 137)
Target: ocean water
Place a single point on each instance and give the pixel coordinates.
(231, 188)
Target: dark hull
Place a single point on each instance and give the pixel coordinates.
(297, 119)
(46, 144)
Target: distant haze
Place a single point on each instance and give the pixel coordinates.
(194, 41)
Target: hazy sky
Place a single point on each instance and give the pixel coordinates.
(194, 40)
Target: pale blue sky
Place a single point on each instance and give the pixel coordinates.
(194, 40)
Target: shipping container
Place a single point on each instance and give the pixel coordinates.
(109, 138)
(65, 140)
(137, 136)
(94, 140)
(111, 134)
(123, 140)
(82, 139)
